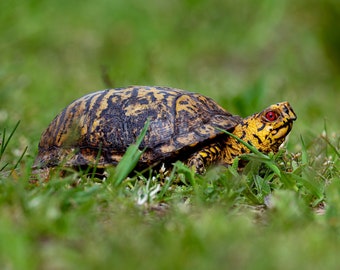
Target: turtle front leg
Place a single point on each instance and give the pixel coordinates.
(209, 155)
(197, 163)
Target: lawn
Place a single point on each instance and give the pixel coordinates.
(280, 212)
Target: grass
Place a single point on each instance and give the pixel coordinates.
(281, 212)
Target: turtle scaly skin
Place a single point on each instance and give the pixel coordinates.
(96, 130)
(266, 131)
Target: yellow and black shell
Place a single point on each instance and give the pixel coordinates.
(99, 127)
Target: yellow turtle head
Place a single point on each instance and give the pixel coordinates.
(268, 129)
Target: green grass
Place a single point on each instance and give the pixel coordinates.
(280, 212)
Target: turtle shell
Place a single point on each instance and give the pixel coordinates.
(99, 127)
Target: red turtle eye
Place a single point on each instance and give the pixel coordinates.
(271, 116)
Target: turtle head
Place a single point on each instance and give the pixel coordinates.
(268, 129)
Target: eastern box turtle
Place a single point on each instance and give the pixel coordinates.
(183, 126)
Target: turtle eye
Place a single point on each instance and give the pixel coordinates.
(271, 116)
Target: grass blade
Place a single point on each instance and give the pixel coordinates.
(130, 158)
(264, 158)
(20, 158)
(304, 154)
(5, 141)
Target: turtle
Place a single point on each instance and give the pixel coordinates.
(97, 129)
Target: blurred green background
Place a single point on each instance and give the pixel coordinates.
(245, 54)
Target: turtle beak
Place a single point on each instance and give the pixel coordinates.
(287, 111)
(288, 114)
